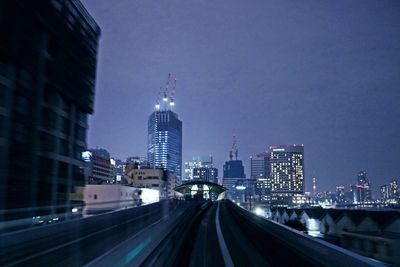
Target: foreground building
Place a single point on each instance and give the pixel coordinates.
(48, 53)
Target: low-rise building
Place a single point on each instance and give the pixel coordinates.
(98, 168)
(148, 178)
(157, 179)
(101, 198)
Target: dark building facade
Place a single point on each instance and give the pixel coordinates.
(259, 165)
(164, 147)
(233, 170)
(48, 54)
(261, 172)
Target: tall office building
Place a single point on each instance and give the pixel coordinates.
(287, 173)
(259, 165)
(164, 147)
(196, 162)
(140, 162)
(340, 196)
(384, 193)
(208, 174)
(314, 186)
(48, 54)
(394, 190)
(362, 190)
(233, 169)
(260, 171)
(390, 193)
(362, 177)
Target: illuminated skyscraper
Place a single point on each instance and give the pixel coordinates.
(362, 190)
(196, 162)
(208, 174)
(362, 177)
(287, 173)
(164, 147)
(260, 170)
(314, 185)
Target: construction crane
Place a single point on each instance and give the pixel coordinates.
(166, 95)
(171, 101)
(234, 149)
(158, 99)
(165, 98)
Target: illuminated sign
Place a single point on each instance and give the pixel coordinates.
(87, 156)
(278, 149)
(240, 187)
(112, 162)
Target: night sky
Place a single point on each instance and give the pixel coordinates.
(325, 74)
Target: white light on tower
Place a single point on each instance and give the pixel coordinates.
(172, 103)
(87, 156)
(157, 106)
(259, 211)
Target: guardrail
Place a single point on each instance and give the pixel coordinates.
(55, 214)
(22, 245)
(317, 251)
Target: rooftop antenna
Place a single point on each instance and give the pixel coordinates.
(235, 148)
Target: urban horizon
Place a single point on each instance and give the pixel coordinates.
(141, 133)
(166, 101)
(246, 160)
(258, 91)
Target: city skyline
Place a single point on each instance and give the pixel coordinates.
(278, 91)
(264, 85)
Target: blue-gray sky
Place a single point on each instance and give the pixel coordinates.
(325, 74)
